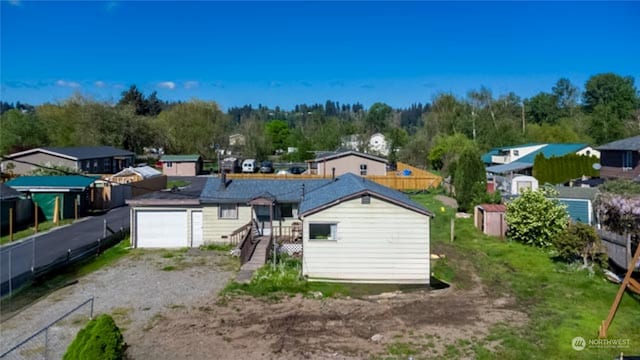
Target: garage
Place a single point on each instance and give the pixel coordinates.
(162, 229)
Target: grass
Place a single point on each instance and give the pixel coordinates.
(284, 279)
(177, 183)
(34, 290)
(42, 227)
(562, 301)
(218, 247)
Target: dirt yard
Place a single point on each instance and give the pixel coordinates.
(424, 324)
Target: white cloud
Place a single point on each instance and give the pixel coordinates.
(167, 85)
(71, 84)
(15, 2)
(100, 84)
(191, 84)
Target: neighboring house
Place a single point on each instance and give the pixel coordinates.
(339, 163)
(353, 230)
(87, 159)
(620, 159)
(376, 144)
(490, 219)
(144, 179)
(181, 165)
(579, 202)
(13, 199)
(73, 192)
(523, 182)
(237, 140)
(519, 159)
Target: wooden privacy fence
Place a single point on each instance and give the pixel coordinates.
(416, 179)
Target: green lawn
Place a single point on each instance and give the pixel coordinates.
(562, 301)
(42, 227)
(177, 183)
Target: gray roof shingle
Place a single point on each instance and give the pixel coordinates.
(632, 143)
(243, 190)
(349, 185)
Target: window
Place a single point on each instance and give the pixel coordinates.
(323, 231)
(363, 169)
(516, 152)
(627, 157)
(228, 211)
(285, 211)
(365, 199)
(106, 165)
(168, 164)
(95, 165)
(87, 165)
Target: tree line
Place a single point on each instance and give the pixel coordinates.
(605, 109)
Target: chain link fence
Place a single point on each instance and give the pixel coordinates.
(51, 342)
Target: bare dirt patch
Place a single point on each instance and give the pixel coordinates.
(425, 324)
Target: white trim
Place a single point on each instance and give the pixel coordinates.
(31, 151)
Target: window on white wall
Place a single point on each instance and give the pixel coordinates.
(228, 211)
(363, 169)
(168, 164)
(323, 231)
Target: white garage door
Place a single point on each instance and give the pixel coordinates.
(196, 228)
(161, 229)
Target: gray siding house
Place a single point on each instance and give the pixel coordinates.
(88, 159)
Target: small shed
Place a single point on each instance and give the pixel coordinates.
(579, 202)
(143, 180)
(43, 190)
(490, 219)
(181, 165)
(13, 199)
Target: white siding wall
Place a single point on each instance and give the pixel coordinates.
(377, 243)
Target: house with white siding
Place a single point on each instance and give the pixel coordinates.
(349, 229)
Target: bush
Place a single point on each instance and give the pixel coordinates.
(535, 219)
(99, 339)
(580, 241)
(470, 178)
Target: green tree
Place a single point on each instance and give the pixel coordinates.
(536, 217)
(566, 95)
(377, 118)
(470, 178)
(447, 149)
(134, 97)
(277, 131)
(21, 131)
(580, 241)
(542, 109)
(99, 339)
(611, 100)
(193, 127)
(398, 137)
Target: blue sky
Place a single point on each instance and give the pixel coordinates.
(293, 52)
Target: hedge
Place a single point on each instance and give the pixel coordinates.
(559, 170)
(100, 339)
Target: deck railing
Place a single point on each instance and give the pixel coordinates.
(239, 234)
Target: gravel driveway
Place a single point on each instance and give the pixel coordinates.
(136, 290)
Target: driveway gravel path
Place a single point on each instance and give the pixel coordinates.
(136, 291)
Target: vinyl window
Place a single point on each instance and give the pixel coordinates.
(228, 211)
(323, 231)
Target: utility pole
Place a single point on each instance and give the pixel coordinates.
(523, 126)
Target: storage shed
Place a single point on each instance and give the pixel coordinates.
(44, 190)
(490, 219)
